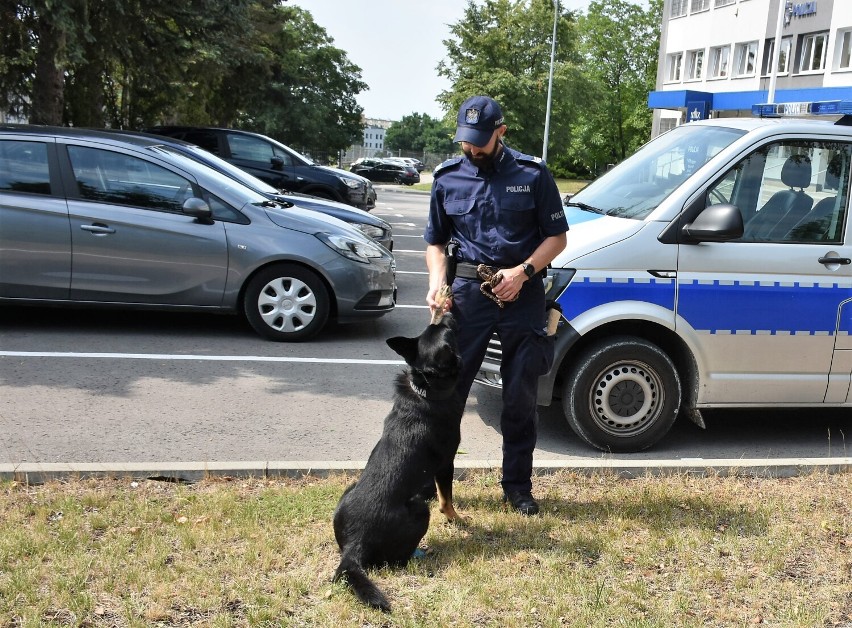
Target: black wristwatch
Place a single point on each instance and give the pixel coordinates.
(529, 269)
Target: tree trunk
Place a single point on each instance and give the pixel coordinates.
(48, 86)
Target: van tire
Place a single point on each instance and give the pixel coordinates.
(286, 303)
(621, 394)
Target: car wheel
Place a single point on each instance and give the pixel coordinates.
(286, 303)
(397, 180)
(622, 394)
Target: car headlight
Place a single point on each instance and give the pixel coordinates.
(352, 249)
(350, 183)
(371, 231)
(556, 281)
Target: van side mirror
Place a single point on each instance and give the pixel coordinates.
(277, 162)
(717, 223)
(198, 209)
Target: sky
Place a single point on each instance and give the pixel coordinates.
(397, 44)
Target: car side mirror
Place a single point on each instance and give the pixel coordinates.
(277, 163)
(717, 223)
(198, 209)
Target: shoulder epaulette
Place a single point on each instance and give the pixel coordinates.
(529, 158)
(446, 165)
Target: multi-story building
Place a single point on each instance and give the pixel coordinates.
(716, 56)
(374, 133)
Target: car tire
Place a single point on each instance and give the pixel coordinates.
(286, 303)
(622, 394)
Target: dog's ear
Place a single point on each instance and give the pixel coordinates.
(406, 347)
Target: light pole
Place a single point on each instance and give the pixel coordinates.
(550, 81)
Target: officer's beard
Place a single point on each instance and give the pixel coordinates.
(485, 161)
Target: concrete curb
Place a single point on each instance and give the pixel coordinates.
(38, 473)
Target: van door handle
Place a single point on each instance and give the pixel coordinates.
(835, 260)
(97, 229)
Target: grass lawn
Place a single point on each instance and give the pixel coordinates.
(681, 550)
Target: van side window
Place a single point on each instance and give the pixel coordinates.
(23, 167)
(112, 177)
(794, 191)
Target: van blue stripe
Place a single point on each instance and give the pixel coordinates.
(748, 307)
(585, 294)
(717, 307)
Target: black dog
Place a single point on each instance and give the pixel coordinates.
(382, 517)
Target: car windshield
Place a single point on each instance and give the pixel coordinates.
(223, 166)
(636, 186)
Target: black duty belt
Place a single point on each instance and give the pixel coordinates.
(466, 270)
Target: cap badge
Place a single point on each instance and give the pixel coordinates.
(471, 116)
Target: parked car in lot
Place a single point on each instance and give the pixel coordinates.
(96, 219)
(712, 269)
(407, 161)
(279, 165)
(370, 225)
(382, 170)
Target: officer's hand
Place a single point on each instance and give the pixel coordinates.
(436, 304)
(510, 286)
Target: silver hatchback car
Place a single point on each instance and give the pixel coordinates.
(88, 217)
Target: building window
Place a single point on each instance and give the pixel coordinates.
(813, 52)
(694, 65)
(674, 62)
(844, 57)
(722, 3)
(745, 59)
(719, 58)
(678, 8)
(699, 5)
(783, 57)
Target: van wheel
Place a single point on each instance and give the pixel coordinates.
(286, 303)
(622, 394)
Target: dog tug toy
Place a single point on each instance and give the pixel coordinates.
(444, 293)
(490, 278)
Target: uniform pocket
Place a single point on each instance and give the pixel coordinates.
(459, 207)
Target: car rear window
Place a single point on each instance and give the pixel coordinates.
(23, 167)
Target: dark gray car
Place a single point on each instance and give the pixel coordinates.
(92, 218)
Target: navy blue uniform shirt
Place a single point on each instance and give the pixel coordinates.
(499, 218)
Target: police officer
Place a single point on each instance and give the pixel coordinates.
(504, 210)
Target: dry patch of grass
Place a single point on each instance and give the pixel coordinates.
(670, 551)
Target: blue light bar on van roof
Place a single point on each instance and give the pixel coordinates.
(783, 109)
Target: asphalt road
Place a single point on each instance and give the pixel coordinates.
(122, 388)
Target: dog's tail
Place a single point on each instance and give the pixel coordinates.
(364, 588)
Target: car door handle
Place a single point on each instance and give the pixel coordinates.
(97, 229)
(835, 260)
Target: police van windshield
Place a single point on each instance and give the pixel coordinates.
(636, 186)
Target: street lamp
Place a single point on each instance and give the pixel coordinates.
(550, 81)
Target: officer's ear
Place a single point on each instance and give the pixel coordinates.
(501, 131)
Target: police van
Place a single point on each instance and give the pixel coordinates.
(709, 270)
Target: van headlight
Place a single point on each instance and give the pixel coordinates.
(556, 281)
(355, 250)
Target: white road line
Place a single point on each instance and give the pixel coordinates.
(411, 272)
(418, 251)
(410, 307)
(207, 358)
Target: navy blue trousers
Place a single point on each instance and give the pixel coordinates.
(527, 354)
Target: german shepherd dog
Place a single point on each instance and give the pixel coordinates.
(382, 517)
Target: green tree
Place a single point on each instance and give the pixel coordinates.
(502, 48)
(619, 44)
(420, 132)
(255, 64)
